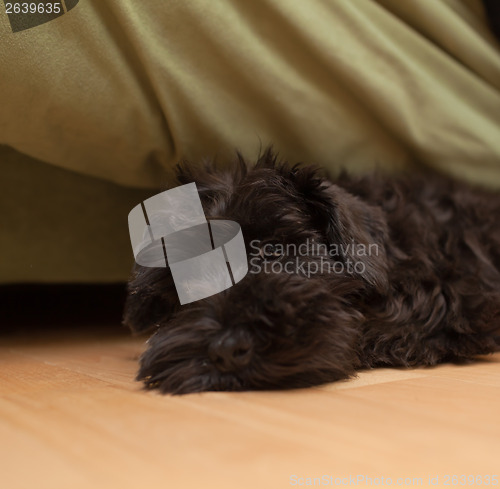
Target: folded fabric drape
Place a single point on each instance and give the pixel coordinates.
(122, 89)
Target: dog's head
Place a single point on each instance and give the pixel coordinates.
(314, 252)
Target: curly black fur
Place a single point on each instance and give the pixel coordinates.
(430, 294)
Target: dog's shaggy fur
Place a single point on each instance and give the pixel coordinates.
(429, 294)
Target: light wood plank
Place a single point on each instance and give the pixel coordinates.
(71, 416)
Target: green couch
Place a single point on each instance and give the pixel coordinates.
(97, 106)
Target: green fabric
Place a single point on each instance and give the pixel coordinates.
(58, 226)
(121, 89)
(117, 91)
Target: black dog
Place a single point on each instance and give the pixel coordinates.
(345, 275)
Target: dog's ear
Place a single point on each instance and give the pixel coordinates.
(356, 230)
(152, 299)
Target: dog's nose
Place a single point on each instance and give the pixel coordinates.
(231, 351)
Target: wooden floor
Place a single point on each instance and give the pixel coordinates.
(71, 416)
